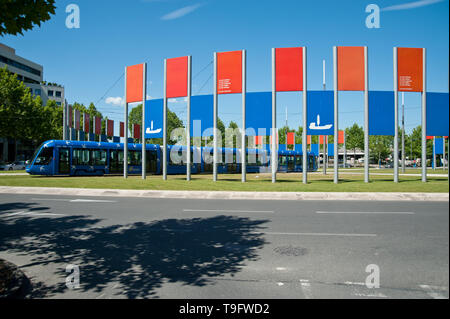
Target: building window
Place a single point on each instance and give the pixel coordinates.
(50, 93)
(37, 92)
(58, 93)
(19, 65)
(58, 103)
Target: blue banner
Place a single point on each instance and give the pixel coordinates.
(439, 146)
(298, 148)
(381, 113)
(315, 149)
(320, 113)
(258, 107)
(202, 115)
(154, 118)
(330, 149)
(437, 114)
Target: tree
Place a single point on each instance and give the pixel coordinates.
(18, 16)
(380, 147)
(173, 122)
(354, 137)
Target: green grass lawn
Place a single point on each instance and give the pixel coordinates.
(11, 172)
(291, 182)
(430, 171)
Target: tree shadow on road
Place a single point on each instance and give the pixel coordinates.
(139, 257)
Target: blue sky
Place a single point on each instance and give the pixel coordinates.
(90, 60)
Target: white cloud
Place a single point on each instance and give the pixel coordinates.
(181, 12)
(117, 101)
(411, 5)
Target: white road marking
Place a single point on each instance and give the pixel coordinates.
(280, 284)
(280, 268)
(385, 213)
(76, 200)
(306, 288)
(430, 290)
(228, 211)
(376, 295)
(354, 283)
(320, 234)
(33, 214)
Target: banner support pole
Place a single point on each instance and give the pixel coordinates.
(305, 122)
(403, 134)
(274, 151)
(366, 116)
(395, 116)
(165, 123)
(345, 149)
(336, 118)
(144, 97)
(215, 120)
(244, 90)
(424, 120)
(188, 124)
(125, 142)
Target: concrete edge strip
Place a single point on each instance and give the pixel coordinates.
(317, 196)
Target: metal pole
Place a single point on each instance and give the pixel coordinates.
(274, 151)
(305, 123)
(424, 120)
(336, 124)
(165, 123)
(434, 153)
(395, 117)
(188, 124)
(366, 117)
(345, 150)
(144, 97)
(125, 142)
(244, 90)
(403, 134)
(215, 120)
(64, 121)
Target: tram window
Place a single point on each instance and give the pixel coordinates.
(299, 160)
(291, 159)
(81, 157)
(99, 157)
(134, 158)
(45, 156)
(282, 160)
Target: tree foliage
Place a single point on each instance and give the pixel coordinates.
(17, 16)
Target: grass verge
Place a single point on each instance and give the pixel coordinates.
(291, 182)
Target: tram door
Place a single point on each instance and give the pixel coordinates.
(64, 161)
(151, 162)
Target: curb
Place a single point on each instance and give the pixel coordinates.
(18, 285)
(313, 196)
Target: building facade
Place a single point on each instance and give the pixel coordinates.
(32, 75)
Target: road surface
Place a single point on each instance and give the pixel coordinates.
(181, 248)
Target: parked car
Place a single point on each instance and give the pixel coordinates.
(16, 166)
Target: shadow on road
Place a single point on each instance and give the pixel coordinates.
(139, 257)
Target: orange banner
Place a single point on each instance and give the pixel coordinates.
(135, 79)
(177, 77)
(229, 72)
(291, 138)
(308, 139)
(350, 68)
(410, 69)
(341, 137)
(321, 139)
(288, 69)
(258, 140)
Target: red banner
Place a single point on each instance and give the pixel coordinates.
(110, 128)
(98, 125)
(429, 137)
(291, 138)
(87, 123)
(135, 87)
(136, 131)
(410, 69)
(70, 116)
(77, 119)
(350, 68)
(288, 69)
(229, 72)
(258, 140)
(321, 139)
(122, 129)
(341, 137)
(177, 77)
(308, 139)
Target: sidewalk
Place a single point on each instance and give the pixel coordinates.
(318, 196)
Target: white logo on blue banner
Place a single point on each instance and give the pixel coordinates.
(320, 113)
(154, 118)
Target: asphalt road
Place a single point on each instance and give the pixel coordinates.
(166, 248)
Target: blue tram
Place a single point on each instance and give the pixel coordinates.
(74, 158)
